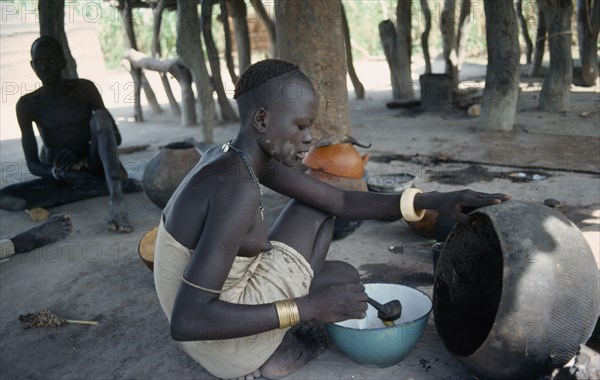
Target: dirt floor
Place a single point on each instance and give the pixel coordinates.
(97, 275)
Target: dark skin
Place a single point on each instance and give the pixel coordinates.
(57, 227)
(217, 206)
(74, 125)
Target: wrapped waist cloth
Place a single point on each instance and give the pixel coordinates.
(280, 273)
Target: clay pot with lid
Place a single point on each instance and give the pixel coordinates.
(340, 160)
(516, 292)
(165, 171)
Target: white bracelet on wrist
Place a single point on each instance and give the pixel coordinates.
(407, 205)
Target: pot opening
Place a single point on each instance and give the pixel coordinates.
(468, 286)
(180, 145)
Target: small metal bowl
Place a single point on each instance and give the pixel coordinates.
(390, 183)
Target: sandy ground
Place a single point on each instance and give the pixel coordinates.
(97, 275)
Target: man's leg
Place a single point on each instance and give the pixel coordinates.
(43, 192)
(57, 227)
(104, 149)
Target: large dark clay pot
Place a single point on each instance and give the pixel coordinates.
(166, 170)
(516, 292)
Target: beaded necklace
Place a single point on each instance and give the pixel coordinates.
(225, 149)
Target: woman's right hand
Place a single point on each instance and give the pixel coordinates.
(337, 303)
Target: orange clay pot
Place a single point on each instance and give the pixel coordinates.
(340, 160)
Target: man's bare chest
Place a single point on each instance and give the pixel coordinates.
(63, 114)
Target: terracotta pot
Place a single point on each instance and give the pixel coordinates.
(341, 160)
(426, 226)
(516, 291)
(166, 170)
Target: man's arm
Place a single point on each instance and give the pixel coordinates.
(28, 141)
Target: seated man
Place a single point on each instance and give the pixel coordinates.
(78, 159)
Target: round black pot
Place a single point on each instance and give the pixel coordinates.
(516, 292)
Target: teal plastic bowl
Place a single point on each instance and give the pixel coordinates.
(368, 342)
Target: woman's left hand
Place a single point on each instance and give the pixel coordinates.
(457, 204)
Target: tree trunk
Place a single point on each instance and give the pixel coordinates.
(524, 31)
(227, 34)
(139, 79)
(52, 24)
(404, 45)
(269, 24)
(536, 69)
(127, 17)
(425, 35)
(169, 92)
(188, 100)
(227, 111)
(359, 89)
(150, 95)
(141, 61)
(556, 91)
(161, 5)
(502, 76)
(396, 42)
(136, 76)
(156, 24)
(462, 34)
(448, 29)
(317, 47)
(189, 48)
(588, 25)
(387, 34)
(181, 74)
(242, 36)
(136, 73)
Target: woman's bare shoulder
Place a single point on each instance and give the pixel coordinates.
(216, 179)
(210, 196)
